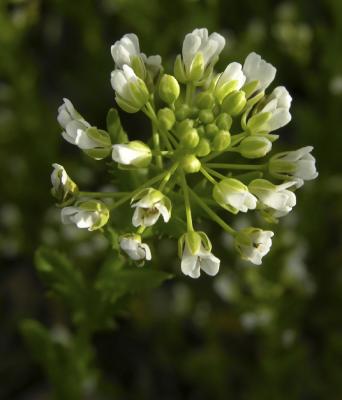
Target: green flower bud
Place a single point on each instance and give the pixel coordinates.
(234, 103)
(183, 127)
(166, 118)
(255, 147)
(256, 123)
(196, 69)
(205, 100)
(182, 112)
(190, 164)
(206, 116)
(224, 121)
(194, 112)
(203, 148)
(190, 139)
(169, 89)
(211, 130)
(201, 130)
(221, 141)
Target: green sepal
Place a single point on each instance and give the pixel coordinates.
(114, 127)
(179, 70)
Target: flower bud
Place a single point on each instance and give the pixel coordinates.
(166, 118)
(131, 91)
(189, 139)
(224, 121)
(179, 70)
(206, 116)
(131, 244)
(183, 127)
(182, 112)
(190, 164)
(203, 148)
(135, 153)
(234, 196)
(221, 141)
(234, 103)
(230, 80)
(205, 100)
(255, 147)
(253, 244)
(91, 215)
(169, 89)
(63, 188)
(257, 123)
(211, 130)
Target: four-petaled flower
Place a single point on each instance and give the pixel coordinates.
(134, 248)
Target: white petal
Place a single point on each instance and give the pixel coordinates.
(280, 118)
(189, 264)
(124, 154)
(163, 211)
(209, 263)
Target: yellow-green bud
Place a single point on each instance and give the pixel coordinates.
(201, 130)
(206, 116)
(183, 127)
(169, 89)
(211, 130)
(194, 112)
(221, 141)
(205, 100)
(166, 118)
(256, 123)
(190, 164)
(224, 121)
(255, 147)
(234, 103)
(190, 139)
(182, 112)
(203, 148)
(179, 70)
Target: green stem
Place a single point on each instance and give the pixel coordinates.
(102, 194)
(190, 89)
(167, 177)
(208, 176)
(185, 189)
(132, 194)
(212, 214)
(236, 166)
(215, 173)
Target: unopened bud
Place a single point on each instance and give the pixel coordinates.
(203, 148)
(211, 130)
(234, 103)
(255, 147)
(205, 100)
(169, 89)
(182, 112)
(206, 116)
(190, 164)
(221, 141)
(224, 121)
(190, 139)
(166, 118)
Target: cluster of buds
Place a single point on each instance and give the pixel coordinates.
(197, 115)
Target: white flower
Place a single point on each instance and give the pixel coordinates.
(209, 46)
(299, 164)
(127, 48)
(277, 198)
(253, 244)
(131, 91)
(234, 196)
(232, 78)
(134, 153)
(278, 104)
(74, 125)
(62, 185)
(148, 209)
(91, 215)
(257, 69)
(133, 247)
(192, 264)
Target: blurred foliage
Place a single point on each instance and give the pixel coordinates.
(251, 333)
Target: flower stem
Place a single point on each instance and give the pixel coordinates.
(185, 189)
(236, 166)
(101, 194)
(132, 194)
(167, 177)
(215, 173)
(208, 176)
(212, 214)
(190, 89)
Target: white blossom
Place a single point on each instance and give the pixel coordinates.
(62, 185)
(134, 248)
(202, 259)
(134, 153)
(278, 104)
(257, 69)
(232, 78)
(81, 218)
(253, 244)
(234, 195)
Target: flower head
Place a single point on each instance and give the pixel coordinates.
(197, 255)
(253, 244)
(91, 215)
(151, 205)
(134, 248)
(258, 71)
(233, 195)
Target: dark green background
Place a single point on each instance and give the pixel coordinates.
(270, 332)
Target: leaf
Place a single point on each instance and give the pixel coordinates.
(114, 283)
(114, 127)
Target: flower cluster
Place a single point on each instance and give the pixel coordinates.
(207, 126)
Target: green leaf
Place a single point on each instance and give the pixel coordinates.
(114, 127)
